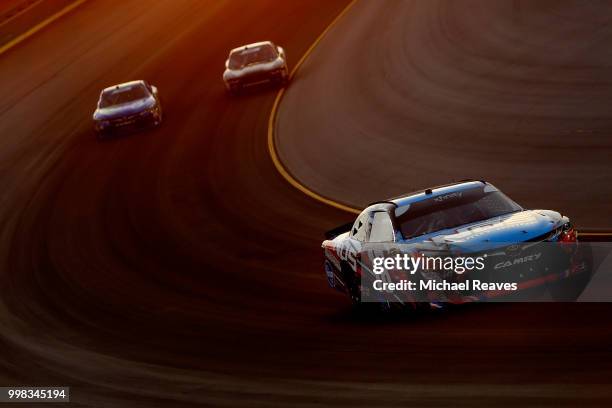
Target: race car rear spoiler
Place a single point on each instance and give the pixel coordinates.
(331, 234)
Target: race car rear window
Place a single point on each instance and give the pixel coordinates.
(244, 57)
(123, 95)
(453, 210)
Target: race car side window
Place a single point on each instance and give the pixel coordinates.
(382, 228)
(361, 226)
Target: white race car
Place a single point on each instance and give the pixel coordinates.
(255, 63)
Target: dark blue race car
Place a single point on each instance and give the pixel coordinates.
(128, 105)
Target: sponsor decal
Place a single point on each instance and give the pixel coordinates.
(512, 248)
(518, 261)
(445, 197)
(347, 253)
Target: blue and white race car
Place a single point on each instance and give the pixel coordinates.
(469, 217)
(128, 105)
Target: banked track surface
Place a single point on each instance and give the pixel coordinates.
(406, 95)
(178, 268)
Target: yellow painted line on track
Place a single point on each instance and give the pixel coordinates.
(272, 123)
(22, 37)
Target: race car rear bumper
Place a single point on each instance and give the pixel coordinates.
(277, 75)
(140, 120)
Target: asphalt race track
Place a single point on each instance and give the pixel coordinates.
(420, 93)
(177, 268)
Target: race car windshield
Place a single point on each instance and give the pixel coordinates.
(453, 210)
(123, 95)
(255, 55)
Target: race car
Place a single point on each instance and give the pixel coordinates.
(128, 105)
(253, 64)
(468, 217)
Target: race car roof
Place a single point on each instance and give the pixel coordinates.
(124, 85)
(253, 45)
(438, 191)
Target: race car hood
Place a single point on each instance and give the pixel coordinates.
(517, 227)
(126, 109)
(253, 69)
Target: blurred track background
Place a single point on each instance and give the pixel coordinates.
(178, 268)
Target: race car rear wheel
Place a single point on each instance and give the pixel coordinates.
(235, 90)
(101, 134)
(284, 79)
(160, 118)
(353, 284)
